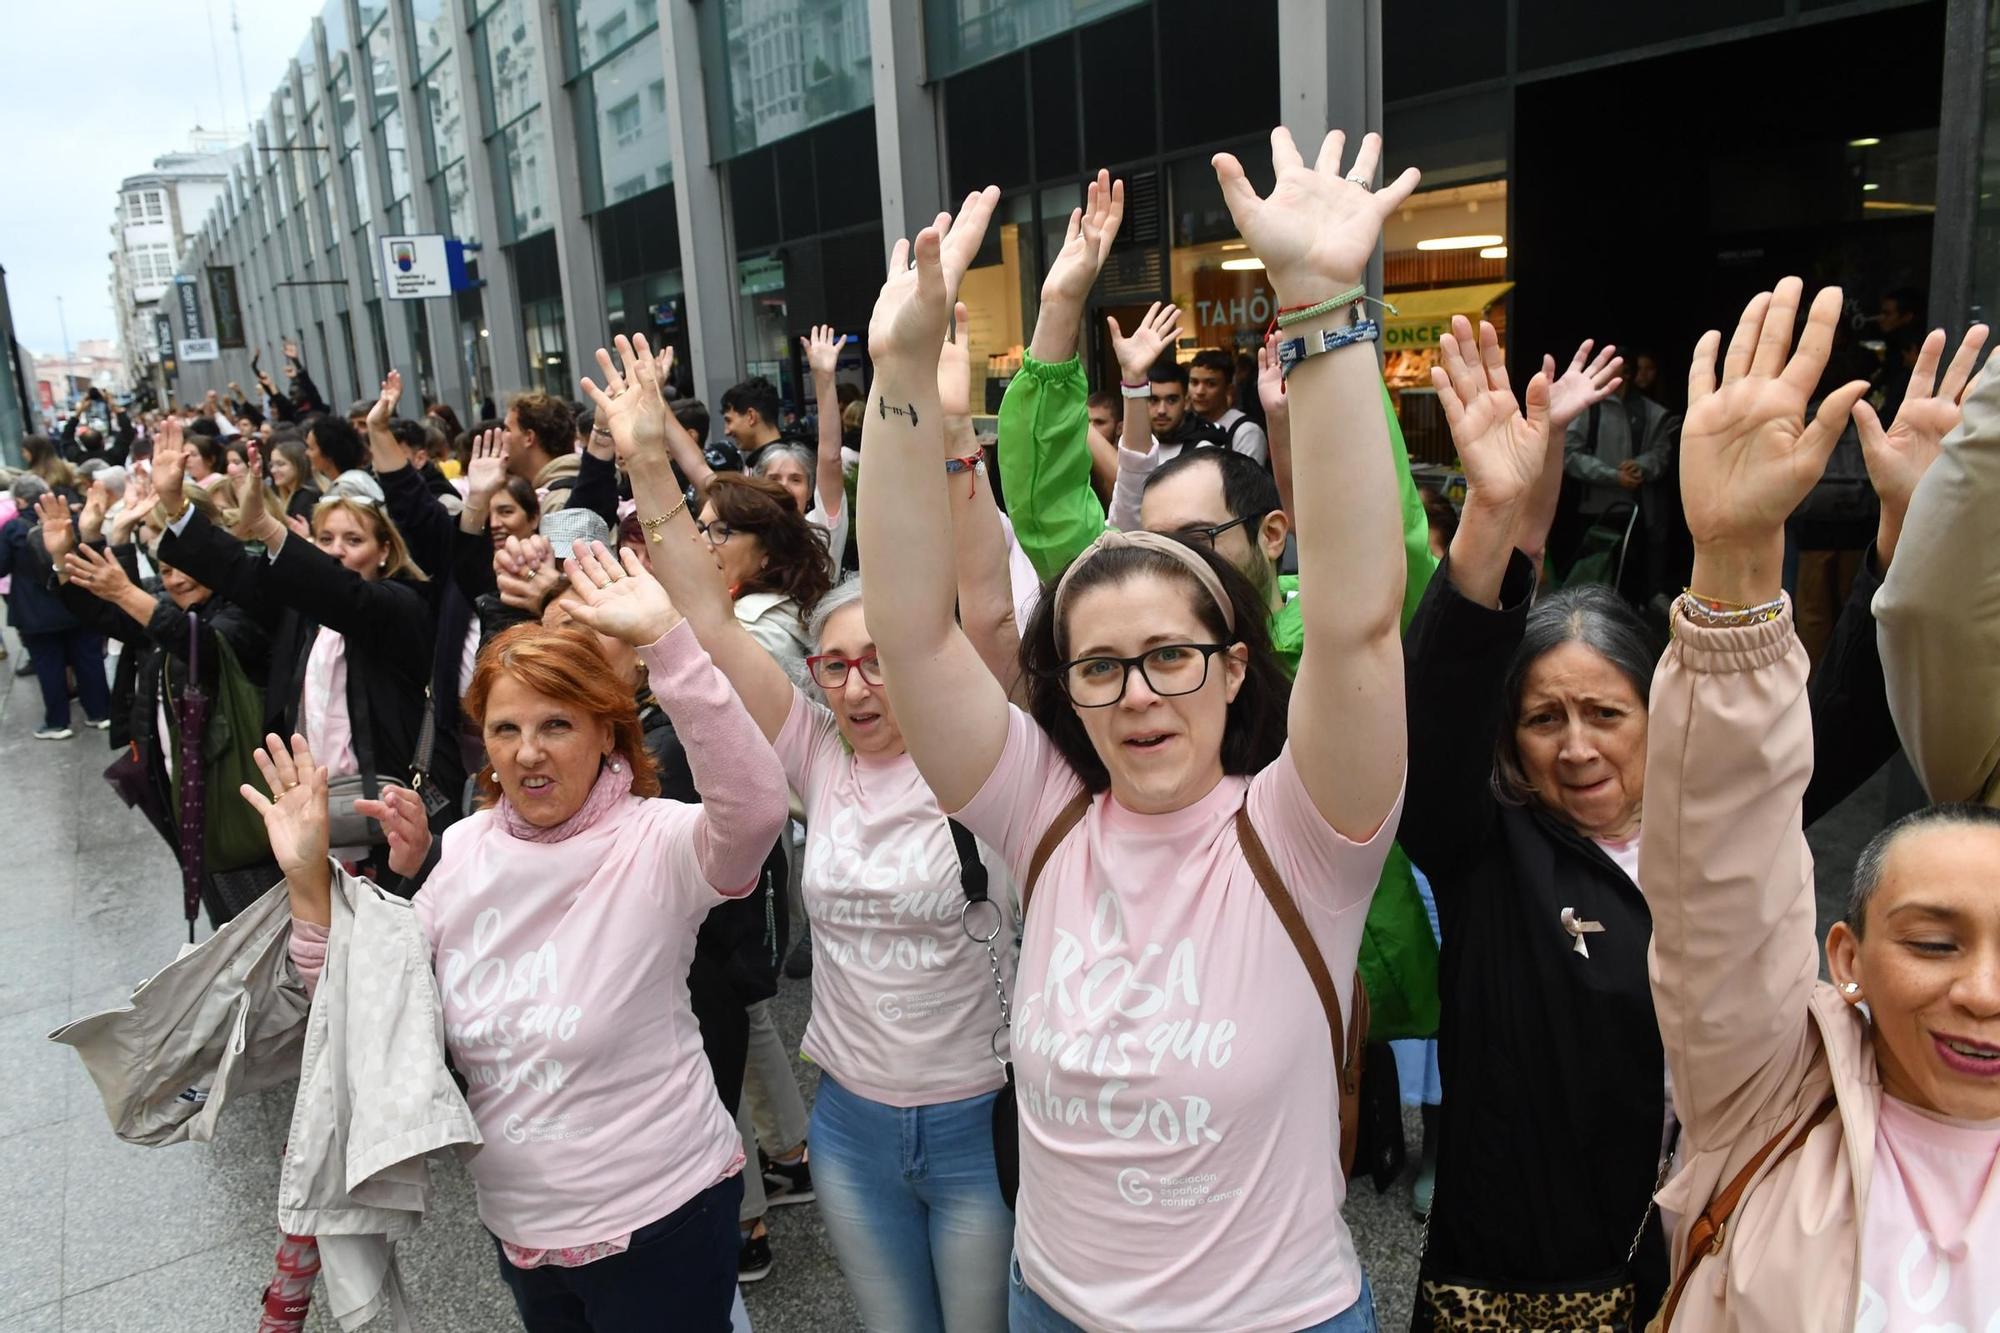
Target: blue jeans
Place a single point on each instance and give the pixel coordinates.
(685, 1263)
(912, 1207)
(1029, 1313)
(55, 656)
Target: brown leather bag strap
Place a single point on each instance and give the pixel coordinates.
(1057, 831)
(1709, 1230)
(1344, 1044)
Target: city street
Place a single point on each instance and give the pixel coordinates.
(101, 1237)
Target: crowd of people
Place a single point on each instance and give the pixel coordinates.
(1120, 824)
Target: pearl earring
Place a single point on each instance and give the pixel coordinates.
(615, 768)
(1851, 988)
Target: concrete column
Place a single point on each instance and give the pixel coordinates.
(701, 207)
(577, 263)
(506, 345)
(907, 121)
(1330, 77)
(374, 159)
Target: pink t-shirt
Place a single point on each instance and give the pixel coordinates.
(1930, 1245)
(903, 1007)
(556, 961)
(1179, 1108)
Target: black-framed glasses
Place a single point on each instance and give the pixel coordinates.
(829, 670)
(1169, 669)
(718, 532)
(1199, 536)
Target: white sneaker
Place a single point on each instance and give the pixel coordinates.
(54, 734)
(103, 724)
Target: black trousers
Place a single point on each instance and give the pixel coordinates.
(679, 1273)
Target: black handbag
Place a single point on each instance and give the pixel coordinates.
(971, 919)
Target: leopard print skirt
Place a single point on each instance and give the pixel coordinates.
(1460, 1307)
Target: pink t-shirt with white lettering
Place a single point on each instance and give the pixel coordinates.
(1930, 1245)
(1179, 1108)
(563, 971)
(903, 1010)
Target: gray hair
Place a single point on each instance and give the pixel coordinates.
(785, 449)
(27, 489)
(113, 480)
(844, 593)
(1592, 615)
(1874, 857)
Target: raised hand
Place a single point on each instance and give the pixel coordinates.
(1271, 379)
(170, 453)
(1899, 456)
(955, 368)
(58, 537)
(908, 323)
(385, 402)
(630, 405)
(1589, 380)
(524, 568)
(615, 596)
(294, 813)
(1087, 243)
(486, 471)
(1315, 231)
(96, 573)
(400, 812)
(823, 350)
(90, 523)
(1150, 339)
(1748, 453)
(291, 350)
(1502, 448)
(959, 237)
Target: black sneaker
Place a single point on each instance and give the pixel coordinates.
(753, 1261)
(799, 965)
(789, 1182)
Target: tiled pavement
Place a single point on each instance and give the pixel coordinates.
(97, 1236)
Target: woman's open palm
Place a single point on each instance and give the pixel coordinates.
(1503, 448)
(295, 817)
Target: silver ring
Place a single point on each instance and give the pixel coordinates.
(965, 920)
(1362, 181)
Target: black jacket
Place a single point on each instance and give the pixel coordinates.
(31, 607)
(430, 530)
(738, 946)
(388, 625)
(1549, 1142)
(113, 449)
(158, 651)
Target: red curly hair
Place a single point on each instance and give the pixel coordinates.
(565, 665)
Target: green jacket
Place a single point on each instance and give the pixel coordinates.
(1045, 475)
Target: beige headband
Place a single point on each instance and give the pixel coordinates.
(1159, 545)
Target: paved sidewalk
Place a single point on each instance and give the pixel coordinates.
(97, 1236)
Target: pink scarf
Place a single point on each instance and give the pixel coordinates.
(613, 785)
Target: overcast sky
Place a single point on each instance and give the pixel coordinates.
(91, 93)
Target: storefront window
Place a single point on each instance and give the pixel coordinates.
(775, 67)
(621, 96)
(760, 286)
(1444, 254)
(999, 291)
(523, 168)
(959, 34)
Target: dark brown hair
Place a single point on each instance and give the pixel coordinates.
(1254, 731)
(566, 665)
(553, 424)
(796, 560)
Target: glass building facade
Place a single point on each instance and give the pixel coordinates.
(722, 174)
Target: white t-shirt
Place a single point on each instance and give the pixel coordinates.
(837, 528)
(1178, 1098)
(903, 1006)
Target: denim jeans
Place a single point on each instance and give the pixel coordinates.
(1029, 1313)
(912, 1206)
(685, 1263)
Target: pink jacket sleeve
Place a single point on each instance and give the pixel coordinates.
(737, 773)
(308, 952)
(1724, 867)
(1938, 614)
